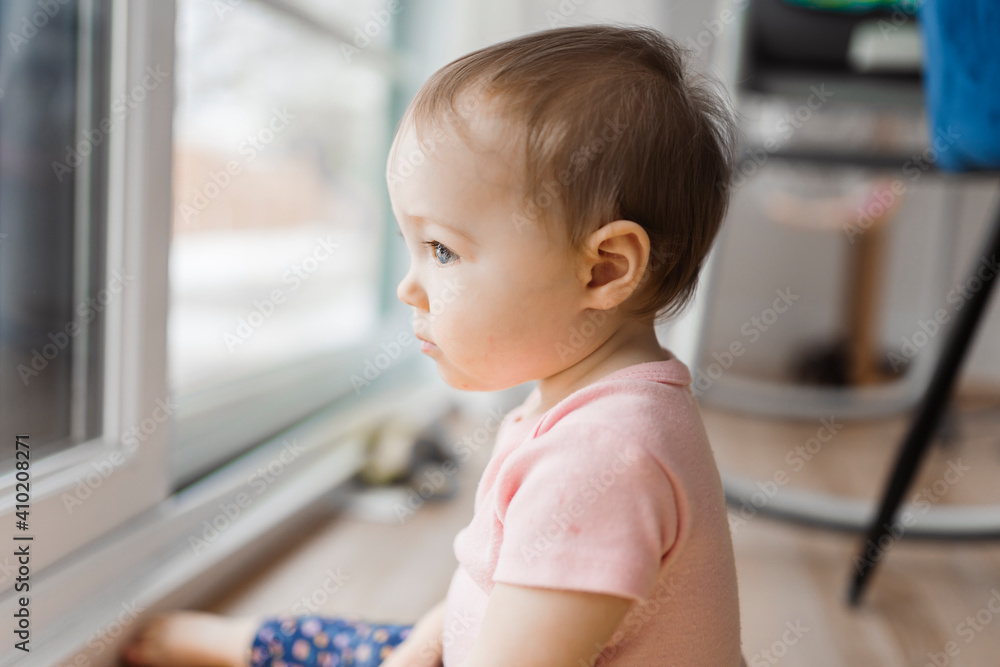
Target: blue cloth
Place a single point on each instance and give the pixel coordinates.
(854, 5)
(315, 641)
(962, 82)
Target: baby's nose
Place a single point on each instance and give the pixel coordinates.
(409, 292)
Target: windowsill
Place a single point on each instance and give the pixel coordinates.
(172, 555)
(387, 554)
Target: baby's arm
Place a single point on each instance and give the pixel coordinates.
(423, 647)
(544, 627)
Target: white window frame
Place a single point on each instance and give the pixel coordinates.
(135, 319)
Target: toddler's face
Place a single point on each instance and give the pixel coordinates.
(496, 298)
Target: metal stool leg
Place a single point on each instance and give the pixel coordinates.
(932, 405)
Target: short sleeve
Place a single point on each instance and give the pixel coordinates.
(583, 508)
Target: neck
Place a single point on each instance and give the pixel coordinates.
(630, 343)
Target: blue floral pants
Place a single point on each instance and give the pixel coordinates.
(316, 641)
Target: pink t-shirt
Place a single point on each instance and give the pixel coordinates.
(613, 490)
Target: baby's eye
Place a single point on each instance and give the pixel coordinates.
(443, 254)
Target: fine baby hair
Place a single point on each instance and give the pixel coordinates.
(614, 124)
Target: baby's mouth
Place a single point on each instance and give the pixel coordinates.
(426, 345)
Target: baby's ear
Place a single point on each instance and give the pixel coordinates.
(615, 258)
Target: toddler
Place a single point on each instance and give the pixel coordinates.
(558, 194)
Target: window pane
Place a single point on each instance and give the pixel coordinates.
(279, 147)
(51, 245)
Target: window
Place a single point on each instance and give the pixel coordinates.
(277, 210)
(157, 196)
(51, 256)
(82, 288)
(278, 280)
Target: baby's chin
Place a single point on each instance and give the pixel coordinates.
(467, 381)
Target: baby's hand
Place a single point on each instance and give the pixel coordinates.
(415, 652)
(423, 646)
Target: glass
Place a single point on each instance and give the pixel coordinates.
(53, 292)
(279, 148)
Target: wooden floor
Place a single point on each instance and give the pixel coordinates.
(927, 597)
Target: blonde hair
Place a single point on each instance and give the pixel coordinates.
(613, 126)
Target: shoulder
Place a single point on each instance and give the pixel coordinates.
(648, 434)
(636, 410)
(623, 431)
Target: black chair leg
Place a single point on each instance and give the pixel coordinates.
(932, 405)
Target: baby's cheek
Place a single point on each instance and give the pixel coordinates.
(481, 335)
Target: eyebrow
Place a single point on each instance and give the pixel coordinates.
(441, 223)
